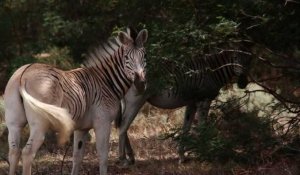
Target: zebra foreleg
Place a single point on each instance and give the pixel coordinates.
(189, 116)
(102, 129)
(80, 138)
(125, 150)
(133, 104)
(129, 151)
(123, 144)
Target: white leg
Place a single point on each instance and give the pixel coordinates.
(102, 131)
(78, 149)
(38, 128)
(36, 139)
(14, 154)
(15, 121)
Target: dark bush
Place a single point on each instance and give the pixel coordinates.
(231, 135)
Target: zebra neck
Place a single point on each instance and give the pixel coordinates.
(223, 76)
(110, 79)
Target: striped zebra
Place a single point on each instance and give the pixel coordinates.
(77, 100)
(195, 84)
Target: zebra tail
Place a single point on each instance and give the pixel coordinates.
(59, 118)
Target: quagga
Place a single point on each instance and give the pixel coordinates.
(77, 100)
(195, 85)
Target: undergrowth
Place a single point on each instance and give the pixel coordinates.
(233, 135)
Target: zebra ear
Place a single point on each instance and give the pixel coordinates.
(141, 38)
(125, 38)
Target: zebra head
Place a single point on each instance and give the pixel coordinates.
(242, 60)
(134, 56)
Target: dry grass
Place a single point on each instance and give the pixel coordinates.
(154, 156)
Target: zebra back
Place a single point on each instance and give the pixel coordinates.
(208, 73)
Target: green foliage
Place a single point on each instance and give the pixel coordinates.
(241, 130)
(59, 57)
(178, 29)
(177, 43)
(207, 144)
(19, 61)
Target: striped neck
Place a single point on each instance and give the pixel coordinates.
(107, 65)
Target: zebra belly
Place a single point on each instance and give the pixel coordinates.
(167, 102)
(85, 122)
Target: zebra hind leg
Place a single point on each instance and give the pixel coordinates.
(202, 111)
(38, 128)
(102, 127)
(80, 138)
(15, 121)
(36, 139)
(188, 119)
(14, 135)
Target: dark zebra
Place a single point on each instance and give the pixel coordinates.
(77, 100)
(195, 84)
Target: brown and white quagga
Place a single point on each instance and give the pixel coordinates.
(77, 100)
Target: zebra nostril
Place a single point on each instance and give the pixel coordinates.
(140, 75)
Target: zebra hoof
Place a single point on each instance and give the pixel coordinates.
(124, 163)
(131, 161)
(182, 160)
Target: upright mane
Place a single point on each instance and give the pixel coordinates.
(102, 54)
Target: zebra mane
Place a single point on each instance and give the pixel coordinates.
(104, 53)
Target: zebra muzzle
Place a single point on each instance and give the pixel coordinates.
(140, 75)
(140, 81)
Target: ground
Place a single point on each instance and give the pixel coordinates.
(154, 156)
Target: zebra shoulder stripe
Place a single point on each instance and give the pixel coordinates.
(59, 118)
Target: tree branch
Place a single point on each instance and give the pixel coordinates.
(296, 68)
(284, 101)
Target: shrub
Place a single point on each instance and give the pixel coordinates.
(230, 135)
